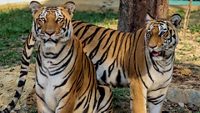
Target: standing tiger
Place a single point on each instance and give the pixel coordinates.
(65, 77)
(142, 60)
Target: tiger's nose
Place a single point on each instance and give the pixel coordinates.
(152, 46)
(50, 32)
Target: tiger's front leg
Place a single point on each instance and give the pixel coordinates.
(138, 96)
(155, 100)
(41, 106)
(67, 104)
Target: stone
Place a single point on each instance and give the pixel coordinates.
(187, 96)
(181, 104)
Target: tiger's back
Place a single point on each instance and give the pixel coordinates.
(106, 48)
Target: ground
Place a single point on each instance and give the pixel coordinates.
(186, 70)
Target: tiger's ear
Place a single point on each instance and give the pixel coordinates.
(70, 6)
(148, 18)
(35, 6)
(175, 19)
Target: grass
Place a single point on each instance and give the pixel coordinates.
(15, 23)
(194, 23)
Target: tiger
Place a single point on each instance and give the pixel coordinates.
(142, 60)
(65, 77)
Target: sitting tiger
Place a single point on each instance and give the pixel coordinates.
(65, 77)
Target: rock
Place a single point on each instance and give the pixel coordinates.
(193, 107)
(189, 96)
(181, 104)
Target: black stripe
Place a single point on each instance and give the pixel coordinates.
(23, 61)
(40, 97)
(77, 31)
(116, 43)
(12, 104)
(118, 79)
(61, 68)
(56, 54)
(155, 98)
(25, 54)
(110, 68)
(138, 73)
(104, 56)
(23, 73)
(109, 37)
(88, 39)
(102, 95)
(17, 94)
(80, 103)
(86, 110)
(118, 51)
(6, 111)
(148, 73)
(96, 49)
(103, 77)
(39, 83)
(21, 83)
(86, 28)
(41, 72)
(160, 88)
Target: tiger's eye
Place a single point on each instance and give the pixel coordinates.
(59, 20)
(148, 34)
(41, 19)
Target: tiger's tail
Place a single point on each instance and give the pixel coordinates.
(25, 61)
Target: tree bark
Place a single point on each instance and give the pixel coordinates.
(129, 18)
(132, 13)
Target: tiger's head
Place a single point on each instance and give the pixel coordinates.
(52, 24)
(161, 36)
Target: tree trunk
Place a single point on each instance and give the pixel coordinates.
(158, 8)
(187, 16)
(129, 18)
(132, 13)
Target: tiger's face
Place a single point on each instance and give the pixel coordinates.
(52, 25)
(161, 37)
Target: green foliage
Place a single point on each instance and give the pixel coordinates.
(14, 24)
(181, 12)
(95, 17)
(194, 28)
(121, 100)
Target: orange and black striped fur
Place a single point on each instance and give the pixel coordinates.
(65, 77)
(142, 60)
